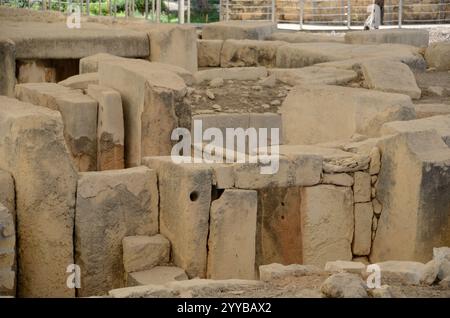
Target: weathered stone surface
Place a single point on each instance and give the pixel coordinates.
(415, 37)
(303, 37)
(79, 115)
(404, 272)
(80, 81)
(146, 291)
(185, 200)
(327, 224)
(35, 153)
(313, 114)
(437, 55)
(279, 235)
(346, 55)
(209, 52)
(203, 287)
(89, 64)
(344, 285)
(35, 71)
(361, 187)
(110, 128)
(429, 110)
(440, 253)
(232, 233)
(110, 206)
(235, 73)
(430, 272)
(413, 187)
(314, 75)
(385, 291)
(7, 192)
(392, 77)
(375, 161)
(8, 67)
(444, 269)
(345, 266)
(439, 124)
(239, 53)
(238, 30)
(144, 252)
(275, 271)
(158, 275)
(340, 179)
(149, 98)
(7, 252)
(363, 228)
(445, 283)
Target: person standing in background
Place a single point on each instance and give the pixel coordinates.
(380, 3)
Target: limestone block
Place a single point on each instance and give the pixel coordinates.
(313, 114)
(404, 272)
(375, 161)
(35, 71)
(235, 73)
(239, 53)
(327, 224)
(437, 55)
(110, 206)
(159, 275)
(150, 101)
(8, 67)
(345, 266)
(413, 188)
(185, 200)
(279, 235)
(110, 128)
(344, 285)
(238, 30)
(232, 234)
(89, 64)
(392, 77)
(361, 187)
(363, 228)
(146, 291)
(79, 115)
(144, 252)
(303, 37)
(7, 251)
(7, 282)
(34, 152)
(277, 271)
(340, 179)
(415, 37)
(7, 192)
(314, 75)
(209, 52)
(80, 81)
(440, 253)
(429, 110)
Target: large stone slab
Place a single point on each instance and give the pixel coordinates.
(304, 37)
(185, 199)
(327, 224)
(313, 75)
(232, 233)
(8, 67)
(314, 114)
(239, 53)
(235, 73)
(362, 240)
(110, 206)
(438, 56)
(415, 37)
(413, 187)
(429, 110)
(151, 104)
(209, 52)
(158, 275)
(110, 128)
(238, 30)
(33, 150)
(393, 77)
(80, 81)
(79, 115)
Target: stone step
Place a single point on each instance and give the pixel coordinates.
(158, 275)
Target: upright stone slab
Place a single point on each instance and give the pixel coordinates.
(209, 52)
(239, 53)
(363, 228)
(238, 30)
(321, 113)
(327, 224)
(415, 37)
(185, 200)
(110, 206)
(438, 56)
(7, 192)
(414, 189)
(33, 149)
(110, 128)
(151, 104)
(8, 67)
(279, 233)
(79, 115)
(7, 253)
(232, 232)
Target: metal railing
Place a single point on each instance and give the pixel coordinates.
(336, 12)
(151, 12)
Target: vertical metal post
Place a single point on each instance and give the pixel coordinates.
(188, 11)
(49, 4)
(153, 10)
(181, 11)
(59, 5)
(99, 7)
(115, 8)
(227, 10)
(349, 14)
(400, 13)
(273, 11)
(88, 7)
(29, 3)
(126, 8)
(158, 11)
(146, 9)
(302, 12)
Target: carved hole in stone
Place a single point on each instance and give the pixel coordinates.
(193, 196)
